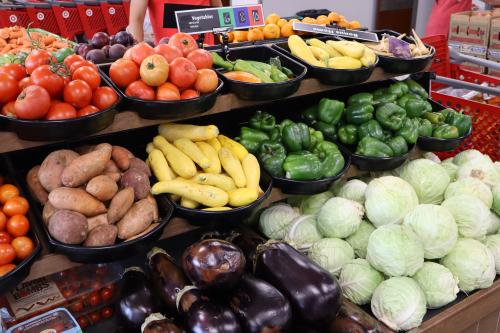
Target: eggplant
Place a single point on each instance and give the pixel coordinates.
(314, 294)
(260, 307)
(167, 278)
(157, 323)
(213, 264)
(247, 241)
(351, 313)
(137, 300)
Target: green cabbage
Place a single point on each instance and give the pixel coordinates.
(399, 303)
(470, 213)
(388, 200)
(493, 223)
(472, 186)
(438, 284)
(428, 178)
(311, 204)
(496, 198)
(466, 156)
(480, 168)
(395, 250)
(273, 221)
(492, 242)
(354, 190)
(302, 232)
(359, 239)
(451, 169)
(433, 157)
(472, 263)
(337, 185)
(331, 254)
(358, 281)
(339, 217)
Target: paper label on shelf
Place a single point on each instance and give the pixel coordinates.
(344, 33)
(206, 20)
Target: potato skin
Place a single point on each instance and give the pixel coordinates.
(116, 176)
(137, 219)
(148, 229)
(140, 165)
(121, 156)
(138, 180)
(68, 227)
(76, 199)
(102, 187)
(36, 189)
(96, 221)
(49, 174)
(48, 211)
(86, 167)
(111, 167)
(120, 204)
(102, 235)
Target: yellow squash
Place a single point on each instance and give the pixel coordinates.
(193, 152)
(172, 132)
(235, 147)
(180, 162)
(221, 181)
(232, 166)
(215, 144)
(242, 196)
(251, 169)
(159, 164)
(320, 54)
(322, 45)
(217, 209)
(207, 195)
(299, 49)
(188, 203)
(344, 63)
(348, 48)
(212, 156)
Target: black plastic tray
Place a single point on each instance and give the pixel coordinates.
(367, 163)
(436, 144)
(263, 91)
(163, 109)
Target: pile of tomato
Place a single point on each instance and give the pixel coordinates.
(168, 72)
(48, 90)
(15, 246)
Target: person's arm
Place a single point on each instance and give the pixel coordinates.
(136, 20)
(216, 3)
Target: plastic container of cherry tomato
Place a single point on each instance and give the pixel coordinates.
(55, 321)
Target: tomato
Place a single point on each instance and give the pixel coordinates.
(123, 72)
(18, 225)
(139, 89)
(182, 73)
(83, 322)
(44, 77)
(106, 294)
(189, 93)
(71, 59)
(183, 42)
(89, 75)
(32, 103)
(200, 58)
(168, 92)
(16, 206)
(81, 63)
(7, 254)
(36, 59)
(3, 221)
(94, 317)
(5, 237)
(127, 55)
(68, 293)
(78, 93)
(8, 191)
(206, 81)
(107, 312)
(24, 83)
(77, 307)
(169, 52)
(89, 109)
(95, 298)
(5, 269)
(23, 246)
(59, 110)
(9, 110)
(8, 88)
(104, 97)
(15, 70)
(154, 70)
(141, 51)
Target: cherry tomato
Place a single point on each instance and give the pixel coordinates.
(24, 83)
(140, 51)
(7, 254)
(5, 269)
(107, 312)
(94, 317)
(44, 76)
(169, 52)
(95, 284)
(182, 73)
(183, 42)
(5, 237)
(83, 322)
(3, 221)
(168, 92)
(9, 109)
(123, 72)
(106, 294)
(206, 81)
(95, 298)
(59, 110)
(16, 206)
(8, 191)
(32, 103)
(78, 93)
(8, 88)
(104, 97)
(200, 58)
(18, 225)
(36, 59)
(89, 75)
(71, 59)
(139, 89)
(67, 293)
(189, 93)
(77, 307)
(23, 246)
(85, 111)
(16, 70)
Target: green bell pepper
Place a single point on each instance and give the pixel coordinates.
(316, 136)
(390, 116)
(380, 91)
(434, 117)
(424, 127)
(387, 135)
(262, 121)
(409, 130)
(303, 167)
(329, 131)
(398, 145)
(416, 88)
(405, 98)
(445, 131)
(359, 113)
(428, 106)
(370, 128)
(61, 54)
(415, 108)
(272, 155)
(384, 98)
(348, 134)
(330, 110)
(310, 114)
(369, 146)
(251, 134)
(360, 98)
(295, 137)
(275, 134)
(461, 121)
(251, 146)
(331, 158)
(398, 89)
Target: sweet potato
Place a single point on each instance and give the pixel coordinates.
(148, 229)
(48, 211)
(93, 222)
(102, 187)
(152, 200)
(102, 235)
(111, 167)
(136, 220)
(68, 227)
(120, 204)
(139, 181)
(85, 149)
(116, 176)
(49, 174)
(76, 199)
(121, 156)
(86, 167)
(139, 165)
(36, 189)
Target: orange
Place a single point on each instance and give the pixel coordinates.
(343, 24)
(255, 34)
(272, 18)
(287, 30)
(342, 18)
(293, 20)
(333, 17)
(323, 20)
(309, 20)
(281, 22)
(230, 37)
(354, 25)
(240, 36)
(271, 31)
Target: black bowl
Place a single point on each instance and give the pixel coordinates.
(367, 163)
(428, 143)
(307, 187)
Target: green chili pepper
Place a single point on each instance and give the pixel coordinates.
(219, 62)
(348, 134)
(262, 121)
(409, 130)
(445, 131)
(360, 98)
(370, 128)
(303, 167)
(369, 146)
(390, 116)
(277, 75)
(359, 113)
(424, 127)
(330, 111)
(398, 145)
(243, 65)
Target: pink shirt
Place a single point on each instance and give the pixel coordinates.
(439, 20)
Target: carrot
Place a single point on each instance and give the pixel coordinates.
(4, 33)
(60, 44)
(2, 42)
(6, 48)
(48, 39)
(242, 76)
(16, 34)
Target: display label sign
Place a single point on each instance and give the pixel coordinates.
(345, 33)
(206, 20)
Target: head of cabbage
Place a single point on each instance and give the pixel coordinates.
(435, 227)
(311, 204)
(359, 239)
(399, 302)
(438, 283)
(493, 244)
(493, 223)
(451, 169)
(466, 156)
(302, 232)
(354, 190)
(472, 263)
(358, 281)
(331, 254)
(470, 213)
(496, 198)
(395, 250)
(339, 217)
(472, 186)
(480, 168)
(273, 221)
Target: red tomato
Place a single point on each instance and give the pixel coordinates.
(59, 110)
(182, 73)
(32, 103)
(77, 307)
(9, 109)
(89, 75)
(3, 221)
(94, 317)
(89, 109)
(168, 92)
(123, 72)
(16, 206)
(83, 322)
(15, 70)
(189, 93)
(7, 254)
(8, 88)
(206, 81)
(36, 59)
(104, 98)
(107, 312)
(140, 51)
(5, 269)
(81, 63)
(71, 59)
(127, 54)
(23, 246)
(5, 237)
(68, 293)
(95, 298)
(169, 52)
(200, 58)
(106, 294)
(183, 42)
(78, 93)
(8, 191)
(139, 89)
(18, 225)
(44, 77)
(24, 83)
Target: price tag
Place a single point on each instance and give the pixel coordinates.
(206, 20)
(345, 33)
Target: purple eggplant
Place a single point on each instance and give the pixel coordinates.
(314, 294)
(247, 241)
(352, 319)
(213, 264)
(157, 323)
(260, 307)
(167, 278)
